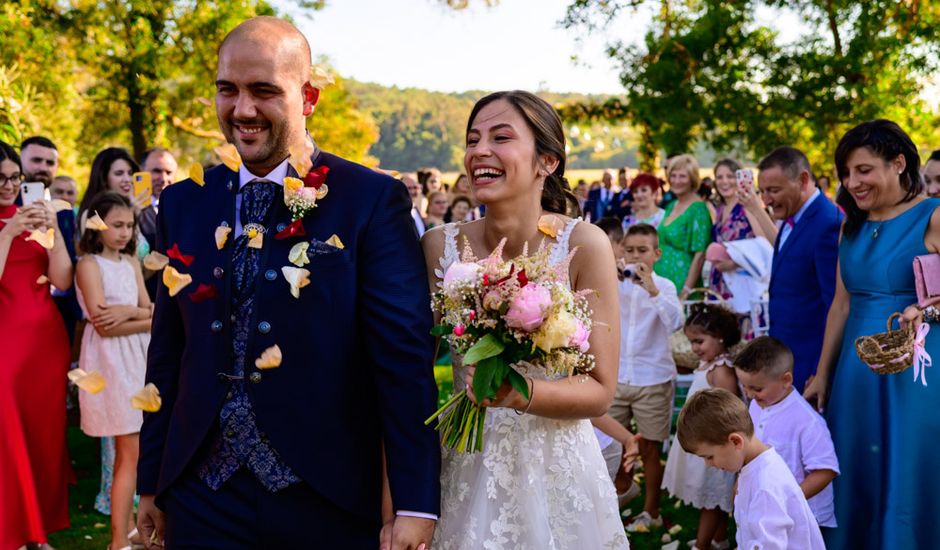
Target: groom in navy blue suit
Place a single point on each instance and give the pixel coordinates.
(803, 275)
(280, 412)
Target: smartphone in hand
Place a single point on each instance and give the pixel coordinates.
(32, 191)
(143, 189)
(745, 179)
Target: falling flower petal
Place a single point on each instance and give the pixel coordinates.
(42, 280)
(319, 77)
(174, 280)
(174, 252)
(322, 191)
(335, 241)
(298, 278)
(298, 254)
(257, 240)
(147, 399)
(92, 382)
(221, 235)
(59, 205)
(95, 223)
(301, 156)
(196, 174)
(46, 239)
(229, 156)
(550, 225)
(203, 292)
(270, 358)
(154, 261)
(674, 530)
(295, 229)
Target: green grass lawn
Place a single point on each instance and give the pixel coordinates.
(89, 529)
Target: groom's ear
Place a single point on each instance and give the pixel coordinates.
(311, 97)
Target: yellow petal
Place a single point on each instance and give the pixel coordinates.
(335, 241)
(46, 238)
(174, 280)
(196, 174)
(95, 223)
(42, 280)
(298, 278)
(229, 156)
(322, 191)
(293, 184)
(298, 254)
(59, 205)
(257, 241)
(270, 358)
(147, 399)
(319, 77)
(221, 235)
(154, 261)
(550, 225)
(92, 382)
(300, 157)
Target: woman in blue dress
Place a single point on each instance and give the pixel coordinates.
(885, 427)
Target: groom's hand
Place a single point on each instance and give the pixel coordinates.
(150, 522)
(411, 533)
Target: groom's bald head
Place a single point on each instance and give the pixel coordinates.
(271, 34)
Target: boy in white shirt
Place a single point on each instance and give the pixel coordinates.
(770, 510)
(649, 313)
(785, 421)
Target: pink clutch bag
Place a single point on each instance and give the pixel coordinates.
(927, 279)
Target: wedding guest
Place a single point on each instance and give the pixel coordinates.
(35, 466)
(932, 174)
(622, 202)
(40, 159)
(460, 209)
(803, 274)
(162, 168)
(437, 208)
(599, 198)
(430, 180)
(739, 215)
(883, 426)
(644, 188)
(64, 188)
(712, 330)
(786, 422)
(770, 510)
(113, 297)
(825, 185)
(685, 231)
(460, 188)
(517, 142)
(414, 191)
(649, 313)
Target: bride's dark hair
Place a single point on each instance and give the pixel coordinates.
(549, 134)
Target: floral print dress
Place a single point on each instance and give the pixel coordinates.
(680, 239)
(735, 228)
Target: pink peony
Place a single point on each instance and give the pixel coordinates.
(459, 273)
(527, 310)
(580, 337)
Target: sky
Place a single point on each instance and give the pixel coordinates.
(425, 44)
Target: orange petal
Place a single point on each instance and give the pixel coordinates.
(298, 278)
(293, 184)
(322, 191)
(270, 358)
(42, 280)
(229, 156)
(95, 223)
(59, 205)
(335, 241)
(147, 399)
(221, 235)
(46, 238)
(550, 225)
(154, 261)
(197, 174)
(174, 280)
(92, 382)
(257, 241)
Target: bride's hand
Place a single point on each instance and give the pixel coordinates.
(505, 397)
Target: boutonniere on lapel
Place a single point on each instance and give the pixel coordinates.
(302, 193)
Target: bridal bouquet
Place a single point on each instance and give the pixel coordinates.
(497, 314)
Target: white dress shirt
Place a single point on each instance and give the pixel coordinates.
(646, 323)
(276, 175)
(419, 223)
(786, 229)
(800, 436)
(770, 510)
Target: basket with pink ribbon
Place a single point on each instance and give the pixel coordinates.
(896, 350)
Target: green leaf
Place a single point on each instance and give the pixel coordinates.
(519, 383)
(486, 347)
(442, 330)
(487, 370)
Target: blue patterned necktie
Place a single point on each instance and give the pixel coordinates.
(257, 198)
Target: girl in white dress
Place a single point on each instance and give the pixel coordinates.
(712, 330)
(111, 292)
(540, 482)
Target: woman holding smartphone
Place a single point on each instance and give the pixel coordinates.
(35, 359)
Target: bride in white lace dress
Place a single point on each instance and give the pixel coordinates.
(540, 482)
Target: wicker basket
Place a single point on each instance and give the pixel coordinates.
(888, 352)
(679, 344)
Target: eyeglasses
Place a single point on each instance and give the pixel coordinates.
(15, 179)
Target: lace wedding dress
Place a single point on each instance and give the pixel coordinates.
(539, 484)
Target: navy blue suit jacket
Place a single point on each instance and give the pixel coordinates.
(802, 284)
(357, 351)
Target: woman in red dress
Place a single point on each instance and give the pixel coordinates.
(34, 359)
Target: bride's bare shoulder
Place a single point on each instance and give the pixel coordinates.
(588, 237)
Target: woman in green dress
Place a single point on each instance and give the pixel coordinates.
(686, 231)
